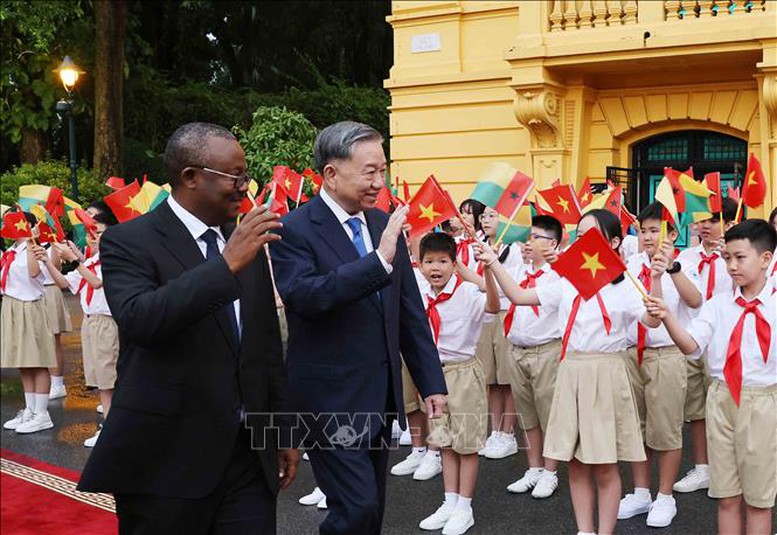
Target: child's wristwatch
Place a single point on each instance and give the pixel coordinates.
(676, 267)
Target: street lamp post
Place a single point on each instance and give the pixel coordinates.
(69, 73)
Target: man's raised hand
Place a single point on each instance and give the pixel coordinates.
(249, 236)
(388, 240)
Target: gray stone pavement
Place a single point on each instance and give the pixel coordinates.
(408, 501)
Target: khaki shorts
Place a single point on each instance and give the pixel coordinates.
(698, 382)
(742, 444)
(409, 392)
(464, 424)
(533, 379)
(494, 352)
(593, 417)
(56, 308)
(100, 342)
(659, 389)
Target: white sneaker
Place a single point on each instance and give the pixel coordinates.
(313, 498)
(322, 504)
(409, 465)
(90, 442)
(631, 506)
(546, 485)
(438, 519)
(430, 466)
(57, 391)
(305, 457)
(38, 422)
(526, 483)
(695, 479)
(459, 522)
(504, 447)
(406, 439)
(490, 442)
(100, 409)
(22, 416)
(662, 512)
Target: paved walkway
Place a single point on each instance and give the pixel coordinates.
(496, 511)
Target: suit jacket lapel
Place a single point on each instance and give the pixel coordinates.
(178, 240)
(332, 232)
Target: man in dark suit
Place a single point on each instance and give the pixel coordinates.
(352, 304)
(200, 349)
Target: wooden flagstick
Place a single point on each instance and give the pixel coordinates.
(636, 284)
(722, 226)
(515, 213)
(739, 209)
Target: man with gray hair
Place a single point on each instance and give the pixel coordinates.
(352, 304)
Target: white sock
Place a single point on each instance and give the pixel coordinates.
(57, 380)
(436, 453)
(422, 449)
(660, 497)
(451, 498)
(29, 400)
(703, 468)
(642, 493)
(535, 469)
(553, 473)
(585, 533)
(41, 403)
(464, 504)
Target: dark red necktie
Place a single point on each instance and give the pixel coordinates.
(573, 315)
(732, 370)
(89, 288)
(431, 310)
(644, 278)
(710, 261)
(5, 265)
(529, 282)
(462, 250)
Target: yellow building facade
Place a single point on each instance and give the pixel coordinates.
(565, 89)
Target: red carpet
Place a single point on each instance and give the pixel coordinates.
(40, 498)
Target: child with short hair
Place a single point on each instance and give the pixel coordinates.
(739, 332)
(535, 336)
(456, 310)
(657, 373)
(704, 265)
(27, 342)
(99, 332)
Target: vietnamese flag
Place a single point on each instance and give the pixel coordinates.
(627, 219)
(514, 194)
(89, 224)
(115, 182)
(279, 201)
(754, 187)
(563, 204)
(712, 180)
(15, 226)
(590, 264)
(733, 193)
(289, 180)
(121, 202)
(429, 207)
(316, 180)
(586, 194)
(383, 202)
(49, 227)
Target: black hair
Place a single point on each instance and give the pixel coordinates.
(757, 231)
(186, 146)
(476, 208)
(106, 218)
(438, 242)
(31, 219)
(550, 224)
(773, 217)
(99, 205)
(608, 224)
(653, 211)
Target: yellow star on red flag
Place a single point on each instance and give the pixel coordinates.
(427, 212)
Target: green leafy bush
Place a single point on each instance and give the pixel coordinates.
(51, 173)
(277, 137)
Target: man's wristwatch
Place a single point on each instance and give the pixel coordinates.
(676, 267)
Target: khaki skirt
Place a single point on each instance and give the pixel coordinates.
(56, 308)
(27, 340)
(593, 417)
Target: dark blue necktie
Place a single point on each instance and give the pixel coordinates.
(358, 239)
(212, 251)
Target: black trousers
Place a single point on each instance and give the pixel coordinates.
(241, 504)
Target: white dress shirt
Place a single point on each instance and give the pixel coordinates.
(343, 216)
(713, 327)
(461, 320)
(528, 329)
(197, 228)
(658, 337)
(689, 260)
(98, 305)
(624, 306)
(19, 284)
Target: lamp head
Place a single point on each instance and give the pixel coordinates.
(68, 73)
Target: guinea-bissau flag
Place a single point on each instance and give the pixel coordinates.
(429, 207)
(50, 197)
(501, 185)
(48, 226)
(691, 197)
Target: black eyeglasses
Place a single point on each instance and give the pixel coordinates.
(238, 180)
